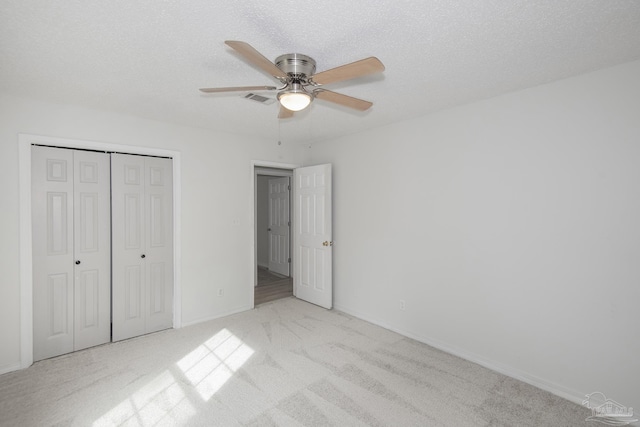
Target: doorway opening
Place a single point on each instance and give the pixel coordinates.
(273, 262)
(310, 230)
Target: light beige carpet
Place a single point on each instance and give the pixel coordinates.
(286, 363)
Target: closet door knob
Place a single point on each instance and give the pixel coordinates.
(143, 256)
(78, 262)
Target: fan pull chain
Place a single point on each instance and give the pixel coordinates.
(279, 134)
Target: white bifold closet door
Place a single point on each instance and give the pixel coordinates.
(142, 227)
(71, 250)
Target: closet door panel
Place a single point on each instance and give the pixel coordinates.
(52, 226)
(159, 242)
(129, 287)
(92, 248)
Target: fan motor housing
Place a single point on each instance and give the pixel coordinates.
(296, 64)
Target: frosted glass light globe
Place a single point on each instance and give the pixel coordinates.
(294, 100)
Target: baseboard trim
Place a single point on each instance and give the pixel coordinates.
(217, 316)
(556, 389)
(10, 368)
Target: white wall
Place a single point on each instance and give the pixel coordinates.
(217, 198)
(510, 227)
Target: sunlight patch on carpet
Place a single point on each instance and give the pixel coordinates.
(164, 399)
(211, 364)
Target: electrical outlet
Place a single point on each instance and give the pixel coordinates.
(402, 304)
(220, 292)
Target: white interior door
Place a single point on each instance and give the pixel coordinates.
(313, 246)
(52, 211)
(142, 245)
(159, 243)
(71, 250)
(92, 249)
(128, 235)
(279, 225)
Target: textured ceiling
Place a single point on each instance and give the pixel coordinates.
(149, 57)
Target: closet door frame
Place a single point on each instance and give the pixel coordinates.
(25, 141)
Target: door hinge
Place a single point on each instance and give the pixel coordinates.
(289, 223)
(289, 260)
(289, 187)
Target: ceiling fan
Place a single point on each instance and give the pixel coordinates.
(300, 83)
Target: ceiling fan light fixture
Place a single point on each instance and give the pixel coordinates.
(297, 73)
(295, 99)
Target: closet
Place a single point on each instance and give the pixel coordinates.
(102, 248)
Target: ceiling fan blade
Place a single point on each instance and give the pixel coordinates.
(255, 57)
(349, 71)
(284, 113)
(236, 89)
(338, 98)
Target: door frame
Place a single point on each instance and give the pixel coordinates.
(25, 141)
(253, 258)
